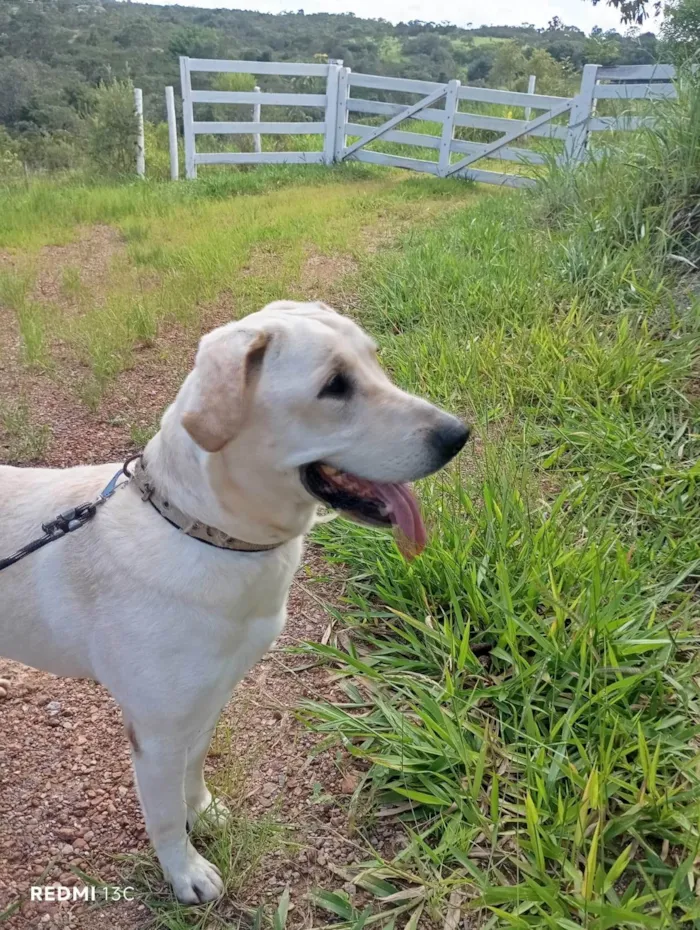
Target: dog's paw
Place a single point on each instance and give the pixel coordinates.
(210, 811)
(4, 687)
(200, 881)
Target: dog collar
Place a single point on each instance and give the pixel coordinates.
(200, 531)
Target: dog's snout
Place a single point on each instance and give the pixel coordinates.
(448, 439)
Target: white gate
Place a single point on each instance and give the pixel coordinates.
(445, 105)
(327, 102)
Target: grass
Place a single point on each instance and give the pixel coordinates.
(25, 440)
(525, 696)
(228, 240)
(522, 701)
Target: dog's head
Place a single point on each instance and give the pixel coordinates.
(296, 393)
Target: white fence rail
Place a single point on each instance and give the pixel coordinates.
(348, 118)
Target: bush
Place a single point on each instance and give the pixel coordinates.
(10, 162)
(112, 129)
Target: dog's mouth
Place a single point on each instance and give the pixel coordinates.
(374, 503)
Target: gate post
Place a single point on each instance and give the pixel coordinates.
(172, 133)
(140, 142)
(257, 140)
(531, 84)
(451, 104)
(341, 113)
(187, 119)
(581, 111)
(334, 69)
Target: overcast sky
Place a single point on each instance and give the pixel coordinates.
(579, 13)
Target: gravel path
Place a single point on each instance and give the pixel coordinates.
(68, 798)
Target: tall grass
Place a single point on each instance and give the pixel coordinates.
(524, 698)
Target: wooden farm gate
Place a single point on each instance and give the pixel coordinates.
(346, 116)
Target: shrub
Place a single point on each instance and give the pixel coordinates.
(10, 162)
(112, 129)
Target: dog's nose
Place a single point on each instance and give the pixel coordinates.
(449, 438)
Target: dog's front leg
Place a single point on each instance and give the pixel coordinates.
(160, 765)
(198, 798)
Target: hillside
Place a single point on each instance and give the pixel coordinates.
(54, 52)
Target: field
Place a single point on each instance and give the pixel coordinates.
(503, 733)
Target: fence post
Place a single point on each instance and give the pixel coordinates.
(257, 142)
(187, 119)
(451, 105)
(172, 133)
(341, 115)
(140, 138)
(577, 135)
(531, 84)
(334, 69)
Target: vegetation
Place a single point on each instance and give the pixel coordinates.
(523, 700)
(59, 59)
(198, 242)
(634, 11)
(524, 697)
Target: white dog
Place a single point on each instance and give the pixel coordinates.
(283, 408)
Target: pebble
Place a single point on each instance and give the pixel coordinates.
(53, 708)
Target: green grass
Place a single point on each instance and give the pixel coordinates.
(526, 693)
(230, 238)
(25, 440)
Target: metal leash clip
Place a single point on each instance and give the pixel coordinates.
(71, 519)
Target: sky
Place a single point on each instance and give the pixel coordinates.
(579, 13)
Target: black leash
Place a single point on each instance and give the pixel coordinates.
(70, 520)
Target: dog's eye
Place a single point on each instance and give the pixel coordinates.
(339, 386)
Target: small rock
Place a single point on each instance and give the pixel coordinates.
(350, 782)
(53, 708)
(67, 849)
(80, 843)
(269, 789)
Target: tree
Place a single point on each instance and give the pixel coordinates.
(634, 11)
(553, 77)
(509, 64)
(112, 129)
(19, 81)
(603, 48)
(681, 28)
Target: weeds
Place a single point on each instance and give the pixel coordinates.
(25, 440)
(190, 248)
(526, 693)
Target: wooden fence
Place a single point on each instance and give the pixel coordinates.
(448, 135)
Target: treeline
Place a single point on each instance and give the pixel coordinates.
(56, 54)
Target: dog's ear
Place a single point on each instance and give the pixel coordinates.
(226, 369)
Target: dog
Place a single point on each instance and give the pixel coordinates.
(178, 585)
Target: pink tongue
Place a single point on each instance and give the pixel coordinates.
(402, 510)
